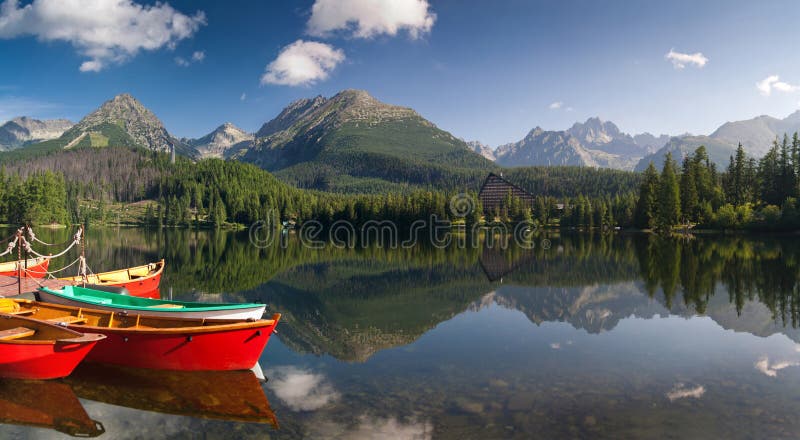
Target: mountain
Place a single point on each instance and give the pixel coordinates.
(296, 111)
(121, 121)
(224, 141)
(718, 151)
(482, 149)
(24, 130)
(541, 147)
(553, 148)
(595, 134)
(650, 142)
(594, 143)
(757, 134)
(353, 142)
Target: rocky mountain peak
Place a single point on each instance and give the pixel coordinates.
(219, 142)
(24, 130)
(138, 122)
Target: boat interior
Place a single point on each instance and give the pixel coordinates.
(68, 315)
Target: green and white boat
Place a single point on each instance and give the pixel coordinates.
(97, 299)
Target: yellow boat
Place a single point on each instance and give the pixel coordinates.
(140, 281)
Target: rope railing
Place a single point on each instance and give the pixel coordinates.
(76, 239)
(32, 237)
(10, 248)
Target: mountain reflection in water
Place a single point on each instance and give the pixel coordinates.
(599, 336)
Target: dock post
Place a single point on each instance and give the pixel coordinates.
(19, 257)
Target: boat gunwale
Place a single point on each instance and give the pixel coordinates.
(188, 306)
(32, 262)
(76, 336)
(209, 325)
(79, 279)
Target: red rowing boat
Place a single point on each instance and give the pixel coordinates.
(139, 281)
(32, 268)
(32, 349)
(160, 343)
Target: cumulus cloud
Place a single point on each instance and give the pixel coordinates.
(302, 63)
(680, 60)
(764, 366)
(301, 390)
(104, 31)
(196, 57)
(681, 391)
(555, 105)
(773, 82)
(243, 97)
(370, 18)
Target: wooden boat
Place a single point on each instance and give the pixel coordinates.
(50, 405)
(32, 268)
(33, 349)
(224, 395)
(141, 281)
(159, 343)
(98, 299)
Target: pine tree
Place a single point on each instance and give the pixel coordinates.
(690, 200)
(648, 197)
(669, 198)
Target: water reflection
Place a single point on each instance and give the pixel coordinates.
(226, 395)
(50, 405)
(601, 336)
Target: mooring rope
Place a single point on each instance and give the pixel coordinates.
(27, 246)
(32, 237)
(10, 248)
(52, 272)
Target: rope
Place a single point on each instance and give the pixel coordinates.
(9, 248)
(27, 247)
(32, 237)
(75, 240)
(51, 272)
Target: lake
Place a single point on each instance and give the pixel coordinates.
(603, 335)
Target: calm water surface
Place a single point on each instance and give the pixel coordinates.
(599, 336)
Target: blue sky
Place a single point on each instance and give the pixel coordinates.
(483, 70)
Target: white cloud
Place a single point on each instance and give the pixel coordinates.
(773, 82)
(680, 60)
(196, 57)
(680, 391)
(555, 105)
(764, 366)
(243, 97)
(302, 63)
(370, 18)
(105, 31)
(301, 390)
(555, 346)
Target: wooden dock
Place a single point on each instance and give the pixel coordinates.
(10, 286)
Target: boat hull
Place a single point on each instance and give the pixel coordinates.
(240, 314)
(214, 350)
(37, 268)
(42, 361)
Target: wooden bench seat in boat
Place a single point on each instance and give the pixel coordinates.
(16, 333)
(69, 319)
